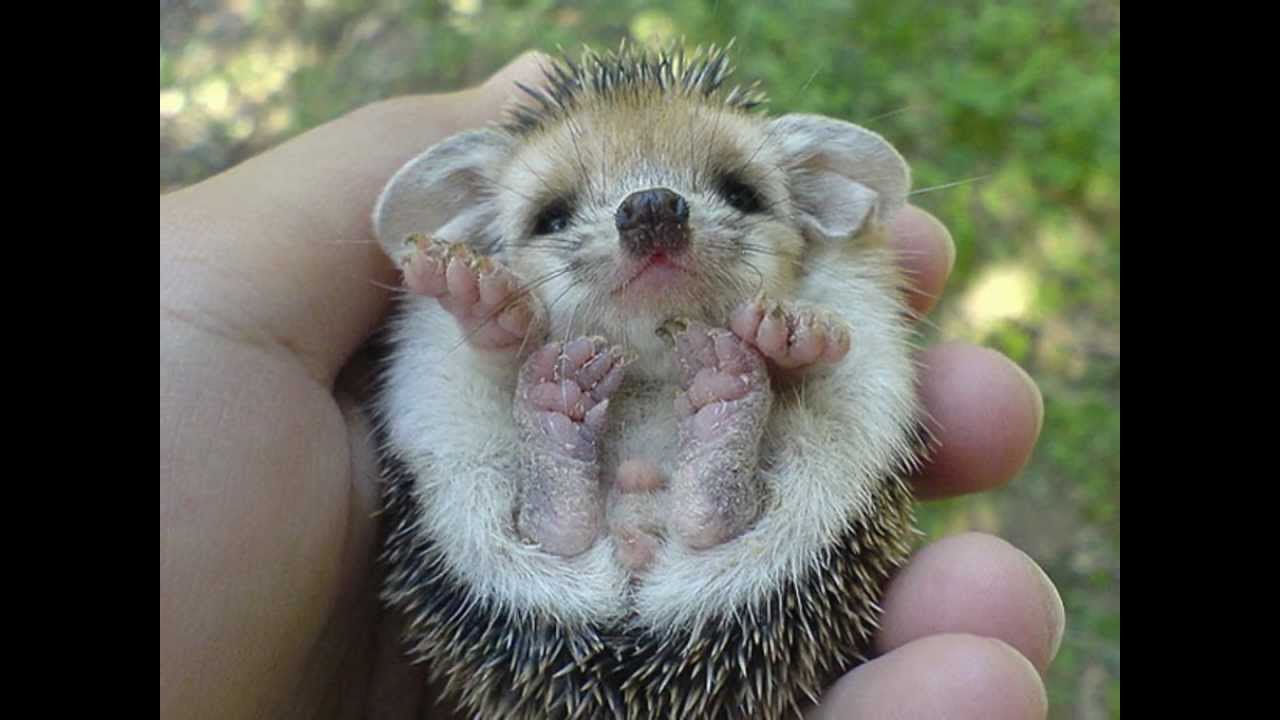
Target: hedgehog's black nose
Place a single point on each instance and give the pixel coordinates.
(653, 221)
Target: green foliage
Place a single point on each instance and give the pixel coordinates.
(1024, 95)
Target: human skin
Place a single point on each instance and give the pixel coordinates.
(270, 281)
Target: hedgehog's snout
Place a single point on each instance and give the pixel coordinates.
(653, 221)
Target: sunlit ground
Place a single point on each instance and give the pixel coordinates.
(1023, 95)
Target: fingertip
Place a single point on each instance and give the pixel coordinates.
(528, 67)
(501, 91)
(1034, 396)
(976, 584)
(986, 414)
(435, 117)
(926, 253)
(952, 676)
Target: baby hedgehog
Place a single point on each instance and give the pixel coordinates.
(648, 402)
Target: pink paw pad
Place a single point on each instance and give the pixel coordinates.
(570, 385)
(481, 293)
(717, 368)
(561, 404)
(791, 335)
(722, 409)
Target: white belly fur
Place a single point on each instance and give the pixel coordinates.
(446, 410)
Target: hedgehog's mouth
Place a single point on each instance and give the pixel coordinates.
(656, 273)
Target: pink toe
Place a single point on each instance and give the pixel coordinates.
(611, 382)
(837, 346)
(579, 352)
(708, 422)
(597, 417)
(462, 282)
(771, 338)
(572, 402)
(424, 275)
(596, 368)
(559, 428)
(746, 320)
(729, 352)
(495, 286)
(541, 366)
(808, 346)
(696, 346)
(710, 386)
(516, 319)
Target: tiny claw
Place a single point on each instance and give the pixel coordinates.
(596, 418)
(671, 328)
(625, 358)
(617, 352)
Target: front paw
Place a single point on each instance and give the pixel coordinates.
(483, 295)
(793, 336)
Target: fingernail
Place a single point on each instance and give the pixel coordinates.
(950, 246)
(1054, 611)
(1036, 397)
(1057, 611)
(908, 225)
(948, 243)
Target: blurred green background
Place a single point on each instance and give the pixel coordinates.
(1023, 96)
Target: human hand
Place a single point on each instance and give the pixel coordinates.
(269, 283)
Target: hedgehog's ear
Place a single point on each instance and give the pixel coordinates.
(445, 192)
(842, 176)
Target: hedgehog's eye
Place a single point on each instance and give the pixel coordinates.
(553, 218)
(739, 195)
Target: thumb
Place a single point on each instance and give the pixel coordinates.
(279, 251)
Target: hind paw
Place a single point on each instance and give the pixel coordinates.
(568, 385)
(562, 402)
(722, 409)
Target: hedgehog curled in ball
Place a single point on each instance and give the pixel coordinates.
(771, 529)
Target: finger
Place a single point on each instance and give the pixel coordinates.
(397, 687)
(959, 677)
(985, 413)
(979, 585)
(279, 251)
(926, 254)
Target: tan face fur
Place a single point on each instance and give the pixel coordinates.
(812, 183)
(585, 166)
